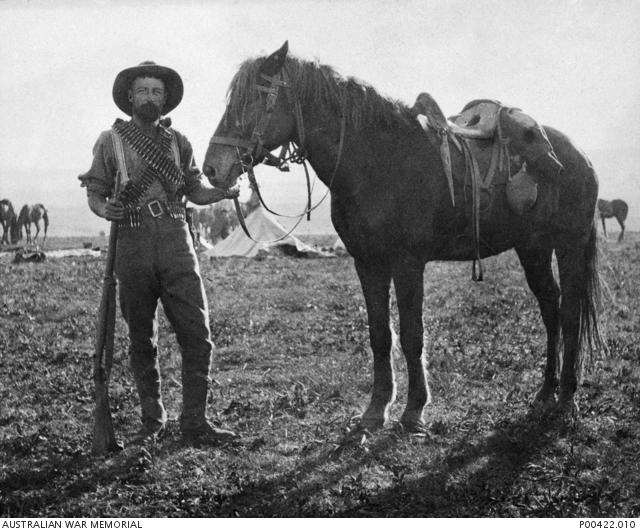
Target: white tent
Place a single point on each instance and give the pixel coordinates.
(270, 236)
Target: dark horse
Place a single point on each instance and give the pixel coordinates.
(391, 206)
(32, 214)
(617, 209)
(7, 217)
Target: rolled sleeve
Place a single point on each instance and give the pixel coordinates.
(99, 179)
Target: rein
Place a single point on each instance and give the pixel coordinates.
(254, 150)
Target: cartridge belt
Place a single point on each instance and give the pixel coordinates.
(134, 215)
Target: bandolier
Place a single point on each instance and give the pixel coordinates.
(158, 164)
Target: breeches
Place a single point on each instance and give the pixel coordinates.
(154, 262)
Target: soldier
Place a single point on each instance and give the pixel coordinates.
(155, 258)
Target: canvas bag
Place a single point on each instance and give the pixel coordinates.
(522, 191)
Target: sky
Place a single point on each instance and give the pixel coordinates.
(571, 64)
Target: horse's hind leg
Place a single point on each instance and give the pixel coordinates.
(621, 222)
(539, 274)
(35, 238)
(572, 266)
(376, 281)
(408, 274)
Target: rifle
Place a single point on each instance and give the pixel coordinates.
(104, 439)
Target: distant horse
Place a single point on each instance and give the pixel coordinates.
(617, 209)
(7, 217)
(218, 221)
(392, 208)
(32, 214)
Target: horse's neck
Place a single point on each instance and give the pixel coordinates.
(322, 143)
(359, 148)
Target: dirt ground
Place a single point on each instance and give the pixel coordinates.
(292, 368)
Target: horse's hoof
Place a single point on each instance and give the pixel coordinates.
(567, 409)
(370, 424)
(367, 422)
(413, 425)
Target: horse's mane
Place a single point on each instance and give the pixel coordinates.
(323, 88)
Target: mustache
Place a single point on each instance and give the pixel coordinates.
(149, 111)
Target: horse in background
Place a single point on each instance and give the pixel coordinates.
(218, 221)
(7, 218)
(392, 207)
(31, 214)
(617, 209)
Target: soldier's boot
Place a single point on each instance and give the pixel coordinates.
(193, 422)
(154, 415)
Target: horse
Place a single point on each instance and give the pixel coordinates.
(218, 221)
(617, 209)
(32, 214)
(7, 217)
(391, 206)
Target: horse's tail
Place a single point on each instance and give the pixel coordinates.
(591, 336)
(623, 210)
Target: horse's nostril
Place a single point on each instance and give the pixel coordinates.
(209, 171)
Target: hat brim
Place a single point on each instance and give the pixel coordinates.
(172, 82)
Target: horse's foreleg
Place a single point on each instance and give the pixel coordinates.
(35, 238)
(604, 227)
(376, 281)
(408, 273)
(539, 275)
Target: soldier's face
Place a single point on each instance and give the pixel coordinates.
(147, 96)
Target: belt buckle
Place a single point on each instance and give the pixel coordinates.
(155, 208)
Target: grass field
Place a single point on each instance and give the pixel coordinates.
(292, 368)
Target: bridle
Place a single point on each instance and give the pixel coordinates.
(255, 152)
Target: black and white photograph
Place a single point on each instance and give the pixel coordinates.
(319, 259)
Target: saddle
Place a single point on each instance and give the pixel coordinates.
(478, 120)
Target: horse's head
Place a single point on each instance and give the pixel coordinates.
(260, 116)
(529, 139)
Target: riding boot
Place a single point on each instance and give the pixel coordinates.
(147, 376)
(194, 402)
(193, 422)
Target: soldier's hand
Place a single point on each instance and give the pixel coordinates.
(114, 211)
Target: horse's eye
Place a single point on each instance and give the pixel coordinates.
(529, 135)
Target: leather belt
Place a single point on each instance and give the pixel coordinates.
(154, 209)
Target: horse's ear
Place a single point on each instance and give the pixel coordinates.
(275, 61)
